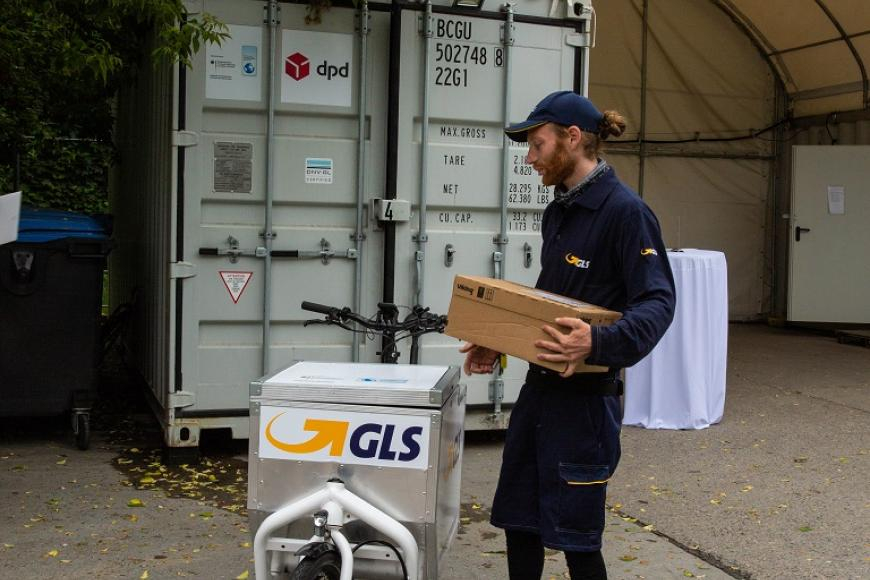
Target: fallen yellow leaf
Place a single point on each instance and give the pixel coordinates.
(53, 553)
(242, 576)
(135, 503)
(144, 575)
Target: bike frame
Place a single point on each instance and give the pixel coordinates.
(337, 501)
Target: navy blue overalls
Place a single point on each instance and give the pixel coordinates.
(562, 444)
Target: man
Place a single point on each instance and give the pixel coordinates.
(562, 444)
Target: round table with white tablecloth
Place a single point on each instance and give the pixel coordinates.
(681, 383)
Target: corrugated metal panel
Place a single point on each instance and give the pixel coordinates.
(467, 84)
(142, 206)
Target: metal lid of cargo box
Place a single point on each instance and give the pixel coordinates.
(360, 383)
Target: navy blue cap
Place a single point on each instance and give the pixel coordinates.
(562, 107)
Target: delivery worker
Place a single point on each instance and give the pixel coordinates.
(602, 245)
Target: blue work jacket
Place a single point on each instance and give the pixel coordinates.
(605, 247)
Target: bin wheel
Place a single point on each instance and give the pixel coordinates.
(83, 431)
(326, 566)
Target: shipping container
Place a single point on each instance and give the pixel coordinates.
(353, 161)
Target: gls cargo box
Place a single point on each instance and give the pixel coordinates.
(355, 161)
(392, 434)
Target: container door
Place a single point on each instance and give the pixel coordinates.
(464, 189)
(316, 95)
(829, 236)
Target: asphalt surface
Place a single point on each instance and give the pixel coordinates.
(777, 490)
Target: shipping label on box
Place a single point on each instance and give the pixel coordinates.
(509, 317)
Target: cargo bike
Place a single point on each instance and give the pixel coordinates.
(354, 468)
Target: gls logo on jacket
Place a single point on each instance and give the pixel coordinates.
(344, 437)
(576, 262)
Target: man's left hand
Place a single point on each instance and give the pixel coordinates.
(572, 347)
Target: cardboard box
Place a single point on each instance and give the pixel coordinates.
(509, 317)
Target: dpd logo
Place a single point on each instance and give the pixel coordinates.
(297, 66)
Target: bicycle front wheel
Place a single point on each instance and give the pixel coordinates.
(324, 567)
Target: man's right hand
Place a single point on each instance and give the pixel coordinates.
(478, 359)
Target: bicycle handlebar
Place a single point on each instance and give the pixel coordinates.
(319, 308)
(419, 321)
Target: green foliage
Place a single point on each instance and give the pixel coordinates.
(61, 64)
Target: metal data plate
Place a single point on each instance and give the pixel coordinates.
(360, 383)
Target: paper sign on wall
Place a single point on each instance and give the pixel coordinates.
(233, 70)
(235, 283)
(836, 200)
(316, 68)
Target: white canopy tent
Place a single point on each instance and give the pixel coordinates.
(715, 92)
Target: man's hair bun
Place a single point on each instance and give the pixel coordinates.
(612, 124)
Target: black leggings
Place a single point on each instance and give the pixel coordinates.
(525, 554)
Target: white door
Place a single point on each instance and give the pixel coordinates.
(829, 270)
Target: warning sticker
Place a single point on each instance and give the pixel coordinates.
(235, 283)
(318, 170)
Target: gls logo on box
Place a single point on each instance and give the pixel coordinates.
(297, 66)
(345, 437)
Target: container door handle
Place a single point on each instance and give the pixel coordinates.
(527, 255)
(798, 231)
(449, 250)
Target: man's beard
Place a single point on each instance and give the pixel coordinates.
(559, 168)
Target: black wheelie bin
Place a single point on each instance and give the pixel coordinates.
(51, 281)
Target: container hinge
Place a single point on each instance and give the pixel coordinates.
(181, 270)
(500, 240)
(362, 19)
(507, 39)
(425, 25)
(184, 139)
(272, 13)
(181, 399)
(579, 40)
(496, 390)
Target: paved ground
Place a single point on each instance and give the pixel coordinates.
(777, 490)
